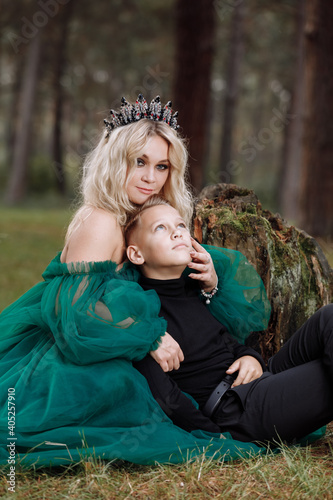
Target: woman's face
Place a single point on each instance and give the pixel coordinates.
(151, 172)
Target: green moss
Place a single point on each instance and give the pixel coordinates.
(307, 245)
(284, 258)
(244, 223)
(251, 208)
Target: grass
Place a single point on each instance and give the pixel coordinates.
(29, 239)
(295, 473)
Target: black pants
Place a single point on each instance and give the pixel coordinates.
(295, 396)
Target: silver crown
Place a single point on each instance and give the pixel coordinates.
(130, 113)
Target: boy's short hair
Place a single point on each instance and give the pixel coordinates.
(134, 219)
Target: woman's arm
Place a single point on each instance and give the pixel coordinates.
(241, 303)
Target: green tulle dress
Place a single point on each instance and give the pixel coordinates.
(66, 349)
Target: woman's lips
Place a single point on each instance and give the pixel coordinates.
(145, 190)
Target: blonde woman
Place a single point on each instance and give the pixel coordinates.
(128, 166)
(68, 344)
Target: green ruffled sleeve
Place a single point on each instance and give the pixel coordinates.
(96, 313)
(241, 303)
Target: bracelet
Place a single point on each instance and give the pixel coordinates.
(210, 295)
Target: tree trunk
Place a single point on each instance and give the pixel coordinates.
(13, 111)
(289, 191)
(195, 25)
(317, 175)
(294, 270)
(18, 179)
(232, 88)
(60, 60)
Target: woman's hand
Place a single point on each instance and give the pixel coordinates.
(248, 369)
(202, 262)
(169, 354)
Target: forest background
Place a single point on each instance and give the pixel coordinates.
(252, 80)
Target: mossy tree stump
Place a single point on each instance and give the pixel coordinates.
(295, 272)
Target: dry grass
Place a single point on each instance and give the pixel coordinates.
(294, 473)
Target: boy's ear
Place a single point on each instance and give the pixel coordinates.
(134, 255)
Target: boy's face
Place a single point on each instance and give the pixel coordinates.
(161, 243)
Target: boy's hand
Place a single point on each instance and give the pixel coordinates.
(248, 369)
(202, 262)
(169, 354)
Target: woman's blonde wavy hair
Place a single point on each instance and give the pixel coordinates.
(111, 164)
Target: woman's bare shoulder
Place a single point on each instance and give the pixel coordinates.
(98, 237)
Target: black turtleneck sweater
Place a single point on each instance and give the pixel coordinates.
(208, 350)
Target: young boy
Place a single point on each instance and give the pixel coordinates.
(225, 378)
